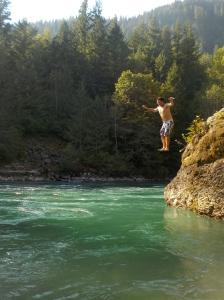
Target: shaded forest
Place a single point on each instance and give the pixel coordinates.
(87, 83)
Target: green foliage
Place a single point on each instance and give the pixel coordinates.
(70, 160)
(210, 99)
(215, 96)
(146, 45)
(138, 39)
(189, 64)
(117, 52)
(10, 145)
(215, 71)
(83, 26)
(173, 80)
(132, 90)
(117, 165)
(196, 130)
(165, 59)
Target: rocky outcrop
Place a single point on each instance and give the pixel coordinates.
(199, 184)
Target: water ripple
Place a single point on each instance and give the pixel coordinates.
(105, 241)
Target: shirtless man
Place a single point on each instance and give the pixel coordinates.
(165, 114)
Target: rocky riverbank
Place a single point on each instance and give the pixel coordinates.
(43, 159)
(199, 184)
(39, 161)
(20, 172)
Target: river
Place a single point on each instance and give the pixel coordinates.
(105, 241)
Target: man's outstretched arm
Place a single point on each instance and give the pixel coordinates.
(149, 108)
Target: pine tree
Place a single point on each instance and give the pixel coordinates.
(117, 53)
(83, 26)
(138, 38)
(176, 43)
(165, 59)
(65, 72)
(137, 45)
(190, 61)
(4, 13)
(154, 46)
(24, 78)
(9, 130)
(97, 143)
(78, 120)
(99, 75)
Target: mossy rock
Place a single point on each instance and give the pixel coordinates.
(209, 148)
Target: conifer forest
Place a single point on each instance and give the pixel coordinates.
(84, 81)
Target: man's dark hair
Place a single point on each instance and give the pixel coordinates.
(160, 98)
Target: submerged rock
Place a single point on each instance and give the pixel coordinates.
(199, 184)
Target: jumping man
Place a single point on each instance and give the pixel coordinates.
(165, 114)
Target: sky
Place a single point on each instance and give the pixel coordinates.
(47, 10)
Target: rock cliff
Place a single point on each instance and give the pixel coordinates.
(199, 184)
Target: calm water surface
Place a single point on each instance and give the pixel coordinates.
(105, 241)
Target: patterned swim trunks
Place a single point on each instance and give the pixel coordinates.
(167, 128)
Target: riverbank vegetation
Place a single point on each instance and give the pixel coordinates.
(86, 85)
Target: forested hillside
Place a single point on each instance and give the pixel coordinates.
(86, 86)
(206, 17)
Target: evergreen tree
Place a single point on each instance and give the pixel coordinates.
(165, 59)
(9, 131)
(117, 53)
(24, 83)
(176, 43)
(79, 115)
(4, 13)
(173, 86)
(138, 38)
(42, 56)
(137, 45)
(99, 76)
(83, 26)
(23, 41)
(154, 46)
(97, 143)
(65, 71)
(190, 61)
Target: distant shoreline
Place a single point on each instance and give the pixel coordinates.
(82, 179)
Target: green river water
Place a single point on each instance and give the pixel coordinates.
(105, 241)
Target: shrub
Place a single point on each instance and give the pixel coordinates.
(197, 129)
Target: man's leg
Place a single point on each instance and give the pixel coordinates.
(167, 142)
(163, 142)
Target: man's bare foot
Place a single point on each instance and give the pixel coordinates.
(163, 149)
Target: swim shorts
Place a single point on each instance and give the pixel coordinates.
(167, 128)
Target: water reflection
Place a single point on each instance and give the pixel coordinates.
(198, 243)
